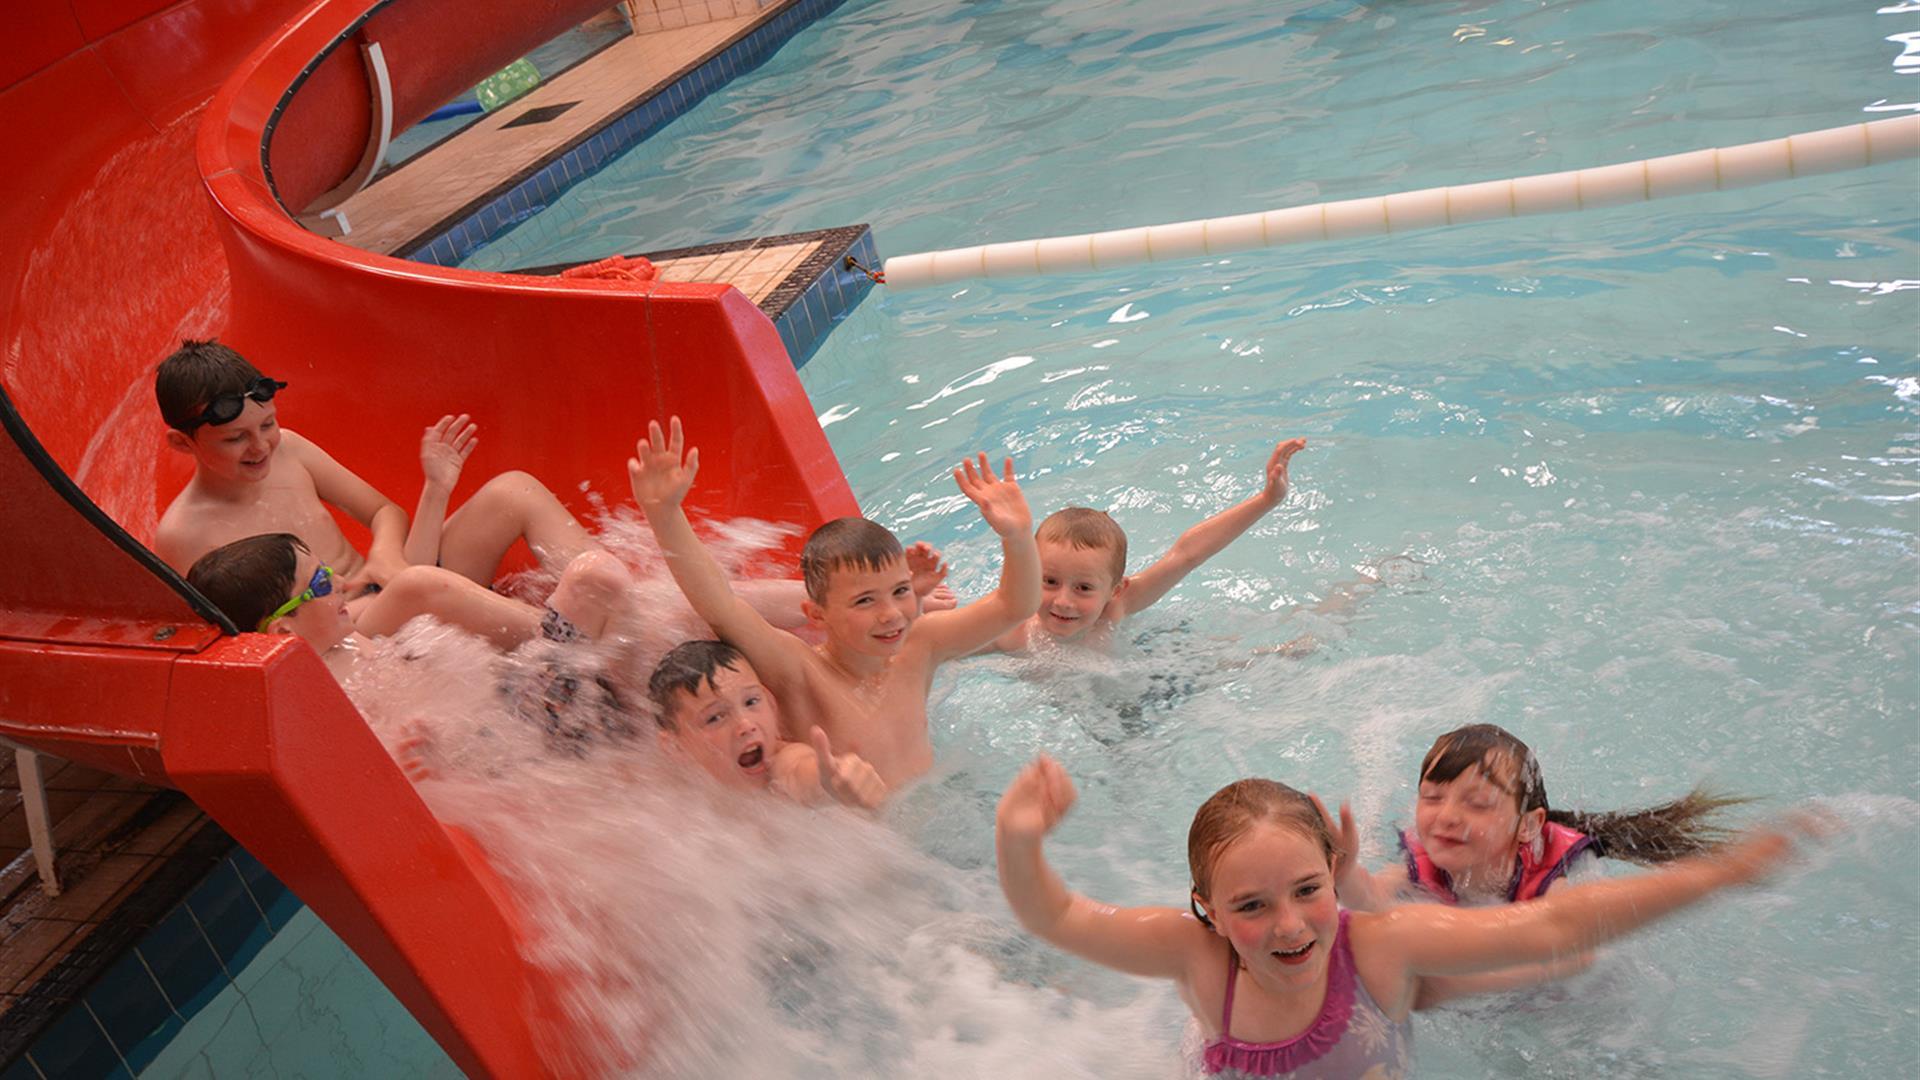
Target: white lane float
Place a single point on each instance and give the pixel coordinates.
(1838, 149)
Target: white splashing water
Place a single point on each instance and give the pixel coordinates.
(705, 933)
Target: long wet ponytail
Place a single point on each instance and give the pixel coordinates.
(1656, 834)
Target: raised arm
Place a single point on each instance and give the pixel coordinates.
(661, 472)
(444, 449)
(1209, 538)
(1151, 941)
(338, 486)
(949, 634)
(1432, 940)
(1438, 990)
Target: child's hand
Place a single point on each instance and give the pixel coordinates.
(1346, 835)
(1000, 500)
(415, 752)
(656, 471)
(1036, 800)
(1759, 851)
(444, 449)
(927, 567)
(1276, 491)
(847, 777)
(374, 573)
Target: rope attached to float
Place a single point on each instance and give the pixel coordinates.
(879, 277)
(1833, 150)
(632, 268)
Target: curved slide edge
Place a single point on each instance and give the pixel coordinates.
(106, 657)
(256, 731)
(562, 374)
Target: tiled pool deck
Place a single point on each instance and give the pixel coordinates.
(428, 194)
(454, 197)
(804, 282)
(157, 907)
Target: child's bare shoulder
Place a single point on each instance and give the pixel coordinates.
(173, 536)
(297, 448)
(1014, 640)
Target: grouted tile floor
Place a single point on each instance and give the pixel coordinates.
(109, 835)
(405, 203)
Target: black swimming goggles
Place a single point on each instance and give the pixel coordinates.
(227, 408)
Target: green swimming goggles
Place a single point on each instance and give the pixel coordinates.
(321, 585)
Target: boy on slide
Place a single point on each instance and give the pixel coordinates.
(713, 711)
(275, 584)
(251, 476)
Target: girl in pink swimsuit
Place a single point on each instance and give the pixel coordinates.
(1279, 979)
(1484, 834)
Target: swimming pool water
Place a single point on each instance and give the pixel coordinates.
(1653, 470)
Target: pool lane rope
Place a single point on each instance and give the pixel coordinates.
(1833, 150)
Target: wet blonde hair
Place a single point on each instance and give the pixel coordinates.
(1086, 529)
(1240, 806)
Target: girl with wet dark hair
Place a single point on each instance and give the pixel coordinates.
(1484, 833)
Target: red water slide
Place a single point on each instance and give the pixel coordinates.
(111, 251)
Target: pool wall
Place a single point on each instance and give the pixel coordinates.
(172, 962)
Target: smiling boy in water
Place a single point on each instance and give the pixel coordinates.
(713, 710)
(867, 683)
(251, 476)
(1084, 586)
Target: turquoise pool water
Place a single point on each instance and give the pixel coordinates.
(1653, 472)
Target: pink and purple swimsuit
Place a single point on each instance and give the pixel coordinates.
(1351, 1039)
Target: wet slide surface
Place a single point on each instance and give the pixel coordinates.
(133, 112)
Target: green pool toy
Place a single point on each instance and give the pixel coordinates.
(506, 84)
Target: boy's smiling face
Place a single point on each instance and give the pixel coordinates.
(867, 612)
(1075, 585)
(242, 450)
(727, 726)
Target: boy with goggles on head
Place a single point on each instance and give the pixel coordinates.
(275, 584)
(251, 476)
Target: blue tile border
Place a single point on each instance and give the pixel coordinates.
(479, 222)
(831, 291)
(813, 297)
(178, 965)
